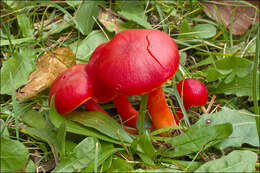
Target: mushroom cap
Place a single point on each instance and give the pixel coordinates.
(72, 88)
(136, 61)
(194, 92)
(101, 93)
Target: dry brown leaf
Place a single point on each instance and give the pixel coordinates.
(244, 15)
(49, 66)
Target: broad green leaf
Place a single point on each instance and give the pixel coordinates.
(236, 161)
(46, 135)
(101, 123)
(143, 143)
(85, 48)
(13, 155)
(34, 119)
(82, 155)
(19, 66)
(244, 127)
(204, 31)
(85, 14)
(241, 67)
(134, 11)
(198, 138)
(187, 166)
(73, 127)
(25, 25)
(163, 170)
(239, 86)
(213, 74)
(120, 165)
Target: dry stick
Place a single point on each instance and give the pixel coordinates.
(211, 103)
(214, 110)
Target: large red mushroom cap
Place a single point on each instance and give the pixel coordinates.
(72, 88)
(136, 61)
(193, 92)
(101, 93)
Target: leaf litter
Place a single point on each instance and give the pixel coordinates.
(49, 66)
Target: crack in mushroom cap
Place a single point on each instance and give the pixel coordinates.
(136, 61)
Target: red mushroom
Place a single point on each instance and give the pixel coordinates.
(72, 88)
(193, 92)
(104, 94)
(139, 61)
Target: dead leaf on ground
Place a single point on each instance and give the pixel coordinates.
(110, 19)
(49, 66)
(242, 15)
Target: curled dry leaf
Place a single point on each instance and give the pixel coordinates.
(242, 15)
(49, 66)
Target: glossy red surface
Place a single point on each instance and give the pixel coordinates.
(72, 88)
(194, 92)
(136, 61)
(101, 93)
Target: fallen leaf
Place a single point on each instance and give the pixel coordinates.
(110, 19)
(49, 66)
(242, 15)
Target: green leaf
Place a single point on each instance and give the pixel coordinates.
(187, 166)
(134, 11)
(85, 14)
(82, 155)
(85, 48)
(30, 167)
(241, 67)
(34, 119)
(102, 157)
(46, 135)
(198, 138)
(184, 28)
(213, 74)
(239, 86)
(101, 123)
(244, 126)
(163, 170)
(73, 3)
(204, 31)
(73, 127)
(13, 155)
(25, 25)
(236, 161)
(19, 66)
(143, 144)
(120, 165)
(60, 137)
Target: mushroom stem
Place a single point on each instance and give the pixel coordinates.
(91, 105)
(161, 114)
(126, 111)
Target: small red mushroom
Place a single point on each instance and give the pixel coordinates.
(193, 92)
(72, 88)
(139, 61)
